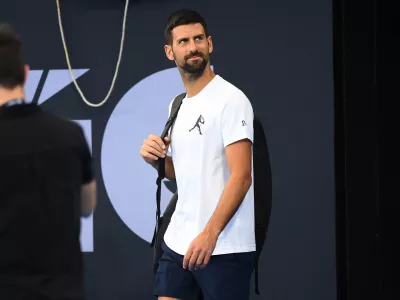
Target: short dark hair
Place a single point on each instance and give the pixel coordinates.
(183, 17)
(12, 69)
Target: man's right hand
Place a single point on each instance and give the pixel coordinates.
(153, 148)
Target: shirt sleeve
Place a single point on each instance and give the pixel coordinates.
(237, 120)
(86, 159)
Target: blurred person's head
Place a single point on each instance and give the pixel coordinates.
(13, 71)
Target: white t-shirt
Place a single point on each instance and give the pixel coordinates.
(216, 117)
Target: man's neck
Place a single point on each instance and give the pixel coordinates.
(7, 95)
(193, 87)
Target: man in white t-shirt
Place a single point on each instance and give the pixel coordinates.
(210, 240)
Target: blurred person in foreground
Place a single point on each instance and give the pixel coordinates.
(46, 185)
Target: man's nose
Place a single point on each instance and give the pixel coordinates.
(192, 46)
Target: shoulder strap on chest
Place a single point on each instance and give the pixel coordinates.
(176, 104)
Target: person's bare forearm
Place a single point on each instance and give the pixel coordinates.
(169, 168)
(231, 199)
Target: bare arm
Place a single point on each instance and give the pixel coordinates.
(238, 156)
(88, 198)
(88, 185)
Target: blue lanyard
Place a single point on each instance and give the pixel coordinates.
(17, 101)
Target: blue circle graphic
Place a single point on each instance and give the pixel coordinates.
(131, 183)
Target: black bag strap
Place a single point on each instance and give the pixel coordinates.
(176, 104)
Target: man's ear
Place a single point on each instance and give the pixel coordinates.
(26, 71)
(210, 44)
(168, 52)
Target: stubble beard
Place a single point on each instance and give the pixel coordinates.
(193, 71)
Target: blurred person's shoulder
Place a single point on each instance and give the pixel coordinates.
(58, 125)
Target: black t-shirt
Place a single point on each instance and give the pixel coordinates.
(44, 161)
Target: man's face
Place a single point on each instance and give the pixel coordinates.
(190, 49)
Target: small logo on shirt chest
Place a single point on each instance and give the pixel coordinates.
(199, 122)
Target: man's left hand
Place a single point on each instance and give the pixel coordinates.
(200, 250)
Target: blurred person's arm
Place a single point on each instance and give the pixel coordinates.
(88, 189)
(88, 198)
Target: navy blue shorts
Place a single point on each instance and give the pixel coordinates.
(225, 277)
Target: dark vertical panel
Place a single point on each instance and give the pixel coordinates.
(357, 163)
(340, 149)
(388, 79)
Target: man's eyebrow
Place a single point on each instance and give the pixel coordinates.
(200, 35)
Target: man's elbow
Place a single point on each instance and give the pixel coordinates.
(244, 180)
(247, 181)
